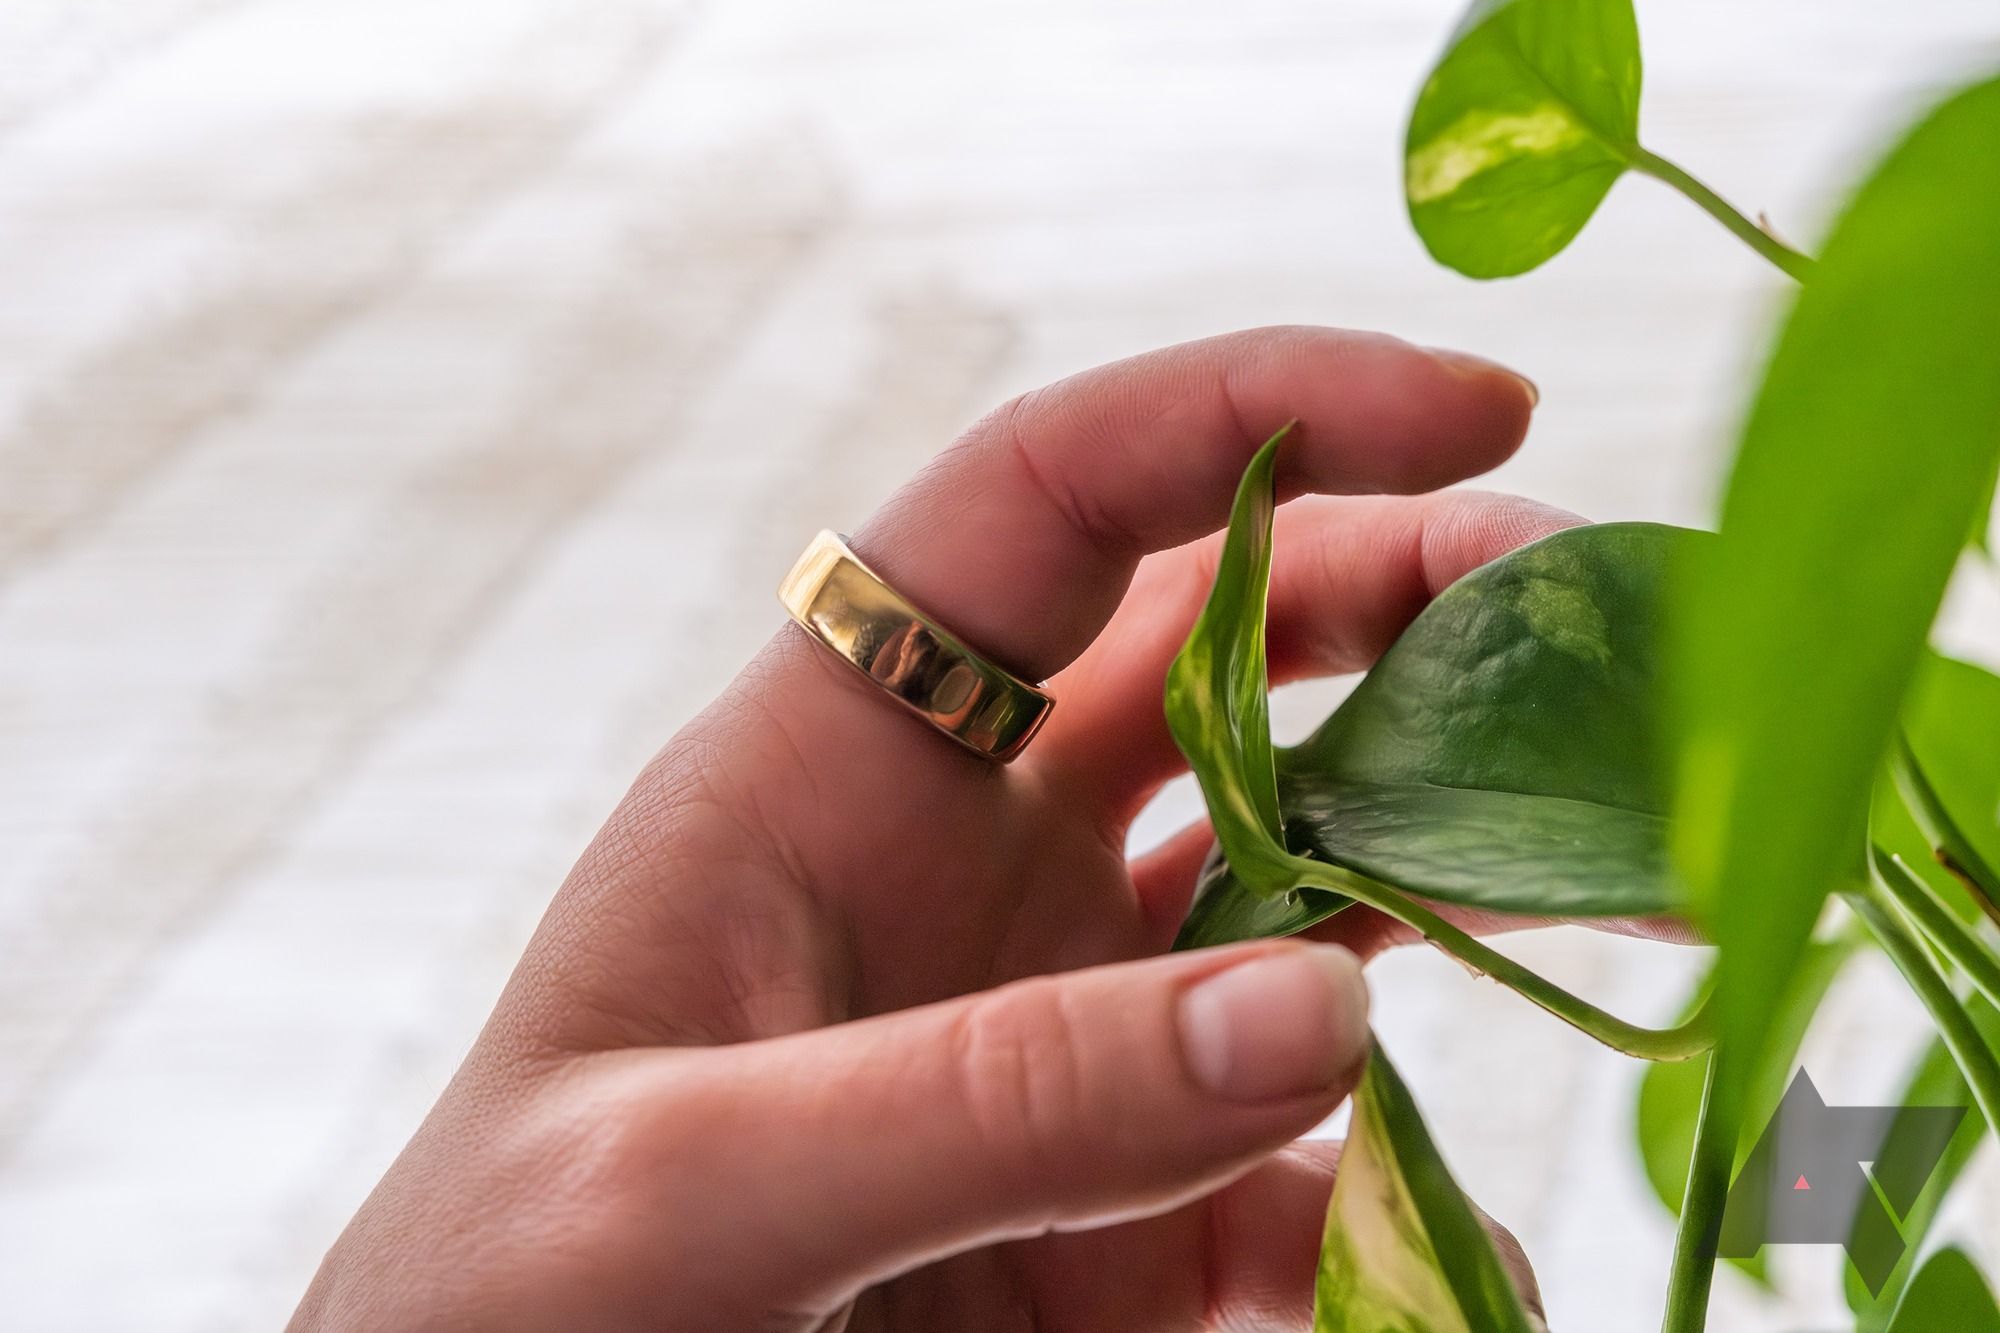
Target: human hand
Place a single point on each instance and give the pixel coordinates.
(838, 1026)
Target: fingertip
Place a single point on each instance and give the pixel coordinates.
(1475, 527)
(1475, 366)
(1390, 416)
(1285, 1023)
(1482, 408)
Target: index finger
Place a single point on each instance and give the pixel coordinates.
(1023, 536)
(1021, 539)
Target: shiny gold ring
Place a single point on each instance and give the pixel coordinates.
(846, 606)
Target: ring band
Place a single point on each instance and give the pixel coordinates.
(846, 606)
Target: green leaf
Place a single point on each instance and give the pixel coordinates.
(1948, 1295)
(1218, 690)
(1225, 911)
(1501, 755)
(1403, 1249)
(1951, 727)
(1217, 711)
(1799, 631)
(1935, 1081)
(1528, 118)
(1670, 1093)
(1503, 851)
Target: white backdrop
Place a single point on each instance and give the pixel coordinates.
(366, 365)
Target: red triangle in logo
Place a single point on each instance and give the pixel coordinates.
(1801, 1184)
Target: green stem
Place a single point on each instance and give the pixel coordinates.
(1700, 1232)
(1954, 851)
(1975, 1059)
(1937, 921)
(1794, 264)
(1676, 1043)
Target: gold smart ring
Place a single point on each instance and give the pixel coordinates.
(915, 660)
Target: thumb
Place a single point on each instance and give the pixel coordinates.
(829, 1160)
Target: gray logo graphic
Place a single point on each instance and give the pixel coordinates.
(1803, 1184)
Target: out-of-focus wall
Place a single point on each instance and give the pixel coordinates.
(406, 410)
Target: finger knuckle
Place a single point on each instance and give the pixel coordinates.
(1021, 1078)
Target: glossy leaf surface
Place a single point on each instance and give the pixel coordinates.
(1216, 709)
(1854, 485)
(1527, 120)
(1501, 755)
(1403, 1249)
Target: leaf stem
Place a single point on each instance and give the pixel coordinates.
(1688, 1039)
(1975, 1059)
(1710, 1165)
(1936, 920)
(1795, 265)
(1953, 850)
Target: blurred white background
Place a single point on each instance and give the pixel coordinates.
(408, 406)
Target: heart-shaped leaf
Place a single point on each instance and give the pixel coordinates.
(1501, 755)
(1218, 713)
(1403, 1249)
(1525, 123)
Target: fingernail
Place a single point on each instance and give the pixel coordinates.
(1283, 1024)
(1479, 365)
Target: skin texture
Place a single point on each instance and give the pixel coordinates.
(836, 1026)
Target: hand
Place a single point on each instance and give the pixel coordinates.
(838, 1026)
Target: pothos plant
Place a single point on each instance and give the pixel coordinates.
(1744, 727)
